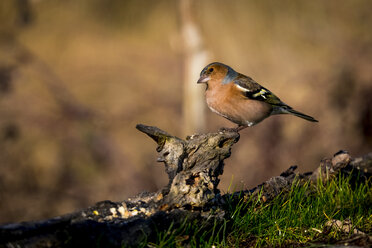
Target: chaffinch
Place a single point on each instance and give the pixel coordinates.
(239, 98)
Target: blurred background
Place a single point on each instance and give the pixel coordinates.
(76, 76)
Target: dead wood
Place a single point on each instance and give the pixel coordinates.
(193, 167)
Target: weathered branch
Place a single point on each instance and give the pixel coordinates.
(193, 166)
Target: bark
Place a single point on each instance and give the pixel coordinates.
(193, 166)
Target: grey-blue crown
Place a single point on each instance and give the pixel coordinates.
(230, 76)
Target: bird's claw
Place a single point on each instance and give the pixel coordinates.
(236, 129)
(227, 129)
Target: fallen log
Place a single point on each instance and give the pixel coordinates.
(193, 167)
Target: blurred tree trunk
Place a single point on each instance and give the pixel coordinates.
(195, 58)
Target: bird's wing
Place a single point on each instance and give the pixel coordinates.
(252, 90)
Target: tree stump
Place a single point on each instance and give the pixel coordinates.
(193, 165)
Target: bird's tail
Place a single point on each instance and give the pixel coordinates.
(299, 114)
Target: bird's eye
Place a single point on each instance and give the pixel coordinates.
(210, 69)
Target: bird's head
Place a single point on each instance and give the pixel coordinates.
(217, 71)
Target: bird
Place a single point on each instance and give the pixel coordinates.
(239, 98)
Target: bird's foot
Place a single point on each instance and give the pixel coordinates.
(236, 129)
(227, 129)
(240, 128)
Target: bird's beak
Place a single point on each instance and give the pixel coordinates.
(203, 79)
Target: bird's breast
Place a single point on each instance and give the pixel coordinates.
(227, 101)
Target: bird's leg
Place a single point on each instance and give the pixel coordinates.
(227, 129)
(236, 129)
(240, 127)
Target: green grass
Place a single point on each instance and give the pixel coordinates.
(295, 217)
